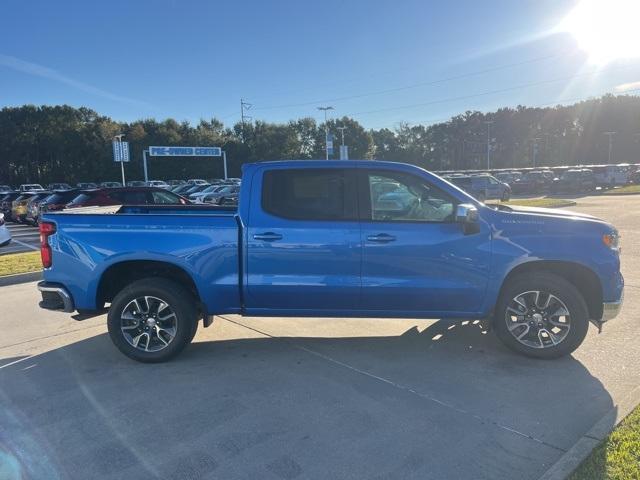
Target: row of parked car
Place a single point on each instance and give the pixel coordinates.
(30, 201)
(501, 184)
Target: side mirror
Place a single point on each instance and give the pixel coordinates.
(467, 215)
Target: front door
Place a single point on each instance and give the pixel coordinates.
(415, 257)
(303, 241)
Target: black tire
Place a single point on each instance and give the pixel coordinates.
(505, 197)
(565, 292)
(178, 299)
(194, 331)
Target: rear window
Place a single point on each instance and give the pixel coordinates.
(165, 198)
(129, 198)
(55, 198)
(82, 198)
(308, 194)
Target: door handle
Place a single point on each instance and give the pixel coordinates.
(267, 236)
(381, 238)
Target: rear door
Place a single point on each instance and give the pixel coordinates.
(415, 257)
(303, 240)
(494, 188)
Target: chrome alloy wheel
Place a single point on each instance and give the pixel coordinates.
(148, 324)
(538, 319)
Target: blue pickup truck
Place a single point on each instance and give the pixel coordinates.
(334, 239)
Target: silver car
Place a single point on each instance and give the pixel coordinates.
(5, 234)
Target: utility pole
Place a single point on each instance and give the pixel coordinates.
(244, 107)
(610, 135)
(326, 131)
(488, 122)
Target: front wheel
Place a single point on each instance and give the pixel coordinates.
(152, 320)
(541, 315)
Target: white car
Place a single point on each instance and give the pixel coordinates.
(158, 183)
(5, 234)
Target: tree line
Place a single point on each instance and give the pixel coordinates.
(60, 143)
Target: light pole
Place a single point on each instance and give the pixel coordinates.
(535, 150)
(342, 152)
(342, 129)
(610, 135)
(488, 122)
(326, 131)
(118, 138)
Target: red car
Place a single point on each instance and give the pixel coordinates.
(58, 200)
(101, 197)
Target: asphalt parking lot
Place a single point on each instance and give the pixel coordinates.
(283, 398)
(24, 238)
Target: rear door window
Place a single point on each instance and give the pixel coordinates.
(310, 194)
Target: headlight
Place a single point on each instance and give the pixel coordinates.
(612, 240)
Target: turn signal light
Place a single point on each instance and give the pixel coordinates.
(611, 240)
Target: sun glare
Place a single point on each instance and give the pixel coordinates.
(606, 30)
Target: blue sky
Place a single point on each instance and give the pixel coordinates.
(380, 62)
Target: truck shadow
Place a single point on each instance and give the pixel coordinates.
(86, 411)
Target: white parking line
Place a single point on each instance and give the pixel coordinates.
(26, 245)
(16, 361)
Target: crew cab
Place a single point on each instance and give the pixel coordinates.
(334, 238)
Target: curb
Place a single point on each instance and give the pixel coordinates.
(619, 194)
(573, 457)
(20, 278)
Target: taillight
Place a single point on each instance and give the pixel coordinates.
(46, 230)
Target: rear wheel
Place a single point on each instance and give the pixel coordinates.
(541, 315)
(152, 320)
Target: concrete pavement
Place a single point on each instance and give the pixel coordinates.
(306, 398)
(24, 238)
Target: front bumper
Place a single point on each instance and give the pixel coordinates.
(610, 310)
(55, 297)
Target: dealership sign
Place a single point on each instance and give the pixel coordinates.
(185, 151)
(120, 151)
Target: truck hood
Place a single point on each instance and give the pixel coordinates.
(555, 212)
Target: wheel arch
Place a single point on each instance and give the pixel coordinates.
(118, 275)
(582, 277)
